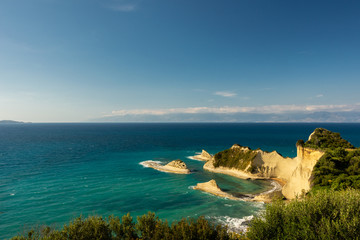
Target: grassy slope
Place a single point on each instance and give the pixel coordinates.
(234, 158)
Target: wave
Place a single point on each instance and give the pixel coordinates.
(276, 187)
(193, 158)
(146, 163)
(234, 224)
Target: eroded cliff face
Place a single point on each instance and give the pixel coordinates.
(273, 165)
(299, 180)
(294, 172)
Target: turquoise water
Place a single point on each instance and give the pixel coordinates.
(51, 173)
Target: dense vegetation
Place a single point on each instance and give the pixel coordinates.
(337, 169)
(234, 158)
(324, 139)
(147, 227)
(321, 215)
(325, 215)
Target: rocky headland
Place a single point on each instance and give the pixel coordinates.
(291, 177)
(293, 174)
(176, 166)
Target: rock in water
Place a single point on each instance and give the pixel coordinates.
(204, 156)
(177, 164)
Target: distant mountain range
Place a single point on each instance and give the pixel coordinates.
(321, 116)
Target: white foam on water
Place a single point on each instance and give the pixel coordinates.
(12, 194)
(258, 204)
(193, 158)
(234, 224)
(147, 162)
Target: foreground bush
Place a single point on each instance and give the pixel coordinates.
(324, 215)
(147, 227)
(321, 215)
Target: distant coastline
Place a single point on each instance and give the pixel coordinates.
(11, 122)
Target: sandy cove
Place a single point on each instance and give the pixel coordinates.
(212, 188)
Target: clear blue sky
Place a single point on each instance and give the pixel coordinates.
(76, 60)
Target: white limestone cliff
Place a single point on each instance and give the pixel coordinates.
(294, 173)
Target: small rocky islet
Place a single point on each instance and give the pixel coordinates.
(176, 166)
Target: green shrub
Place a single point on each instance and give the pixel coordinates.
(234, 158)
(148, 226)
(337, 169)
(124, 229)
(324, 215)
(325, 139)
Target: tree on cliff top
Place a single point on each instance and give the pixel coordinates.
(324, 139)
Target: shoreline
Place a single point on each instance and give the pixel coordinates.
(212, 188)
(266, 196)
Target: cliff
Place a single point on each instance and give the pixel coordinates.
(300, 180)
(294, 173)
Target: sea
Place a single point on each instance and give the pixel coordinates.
(51, 173)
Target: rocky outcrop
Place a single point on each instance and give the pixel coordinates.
(176, 166)
(295, 173)
(204, 156)
(213, 188)
(239, 147)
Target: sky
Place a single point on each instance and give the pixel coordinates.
(125, 60)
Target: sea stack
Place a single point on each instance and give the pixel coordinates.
(204, 156)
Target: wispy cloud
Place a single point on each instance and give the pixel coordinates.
(225, 94)
(123, 7)
(319, 95)
(236, 109)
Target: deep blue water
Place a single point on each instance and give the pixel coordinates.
(51, 173)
